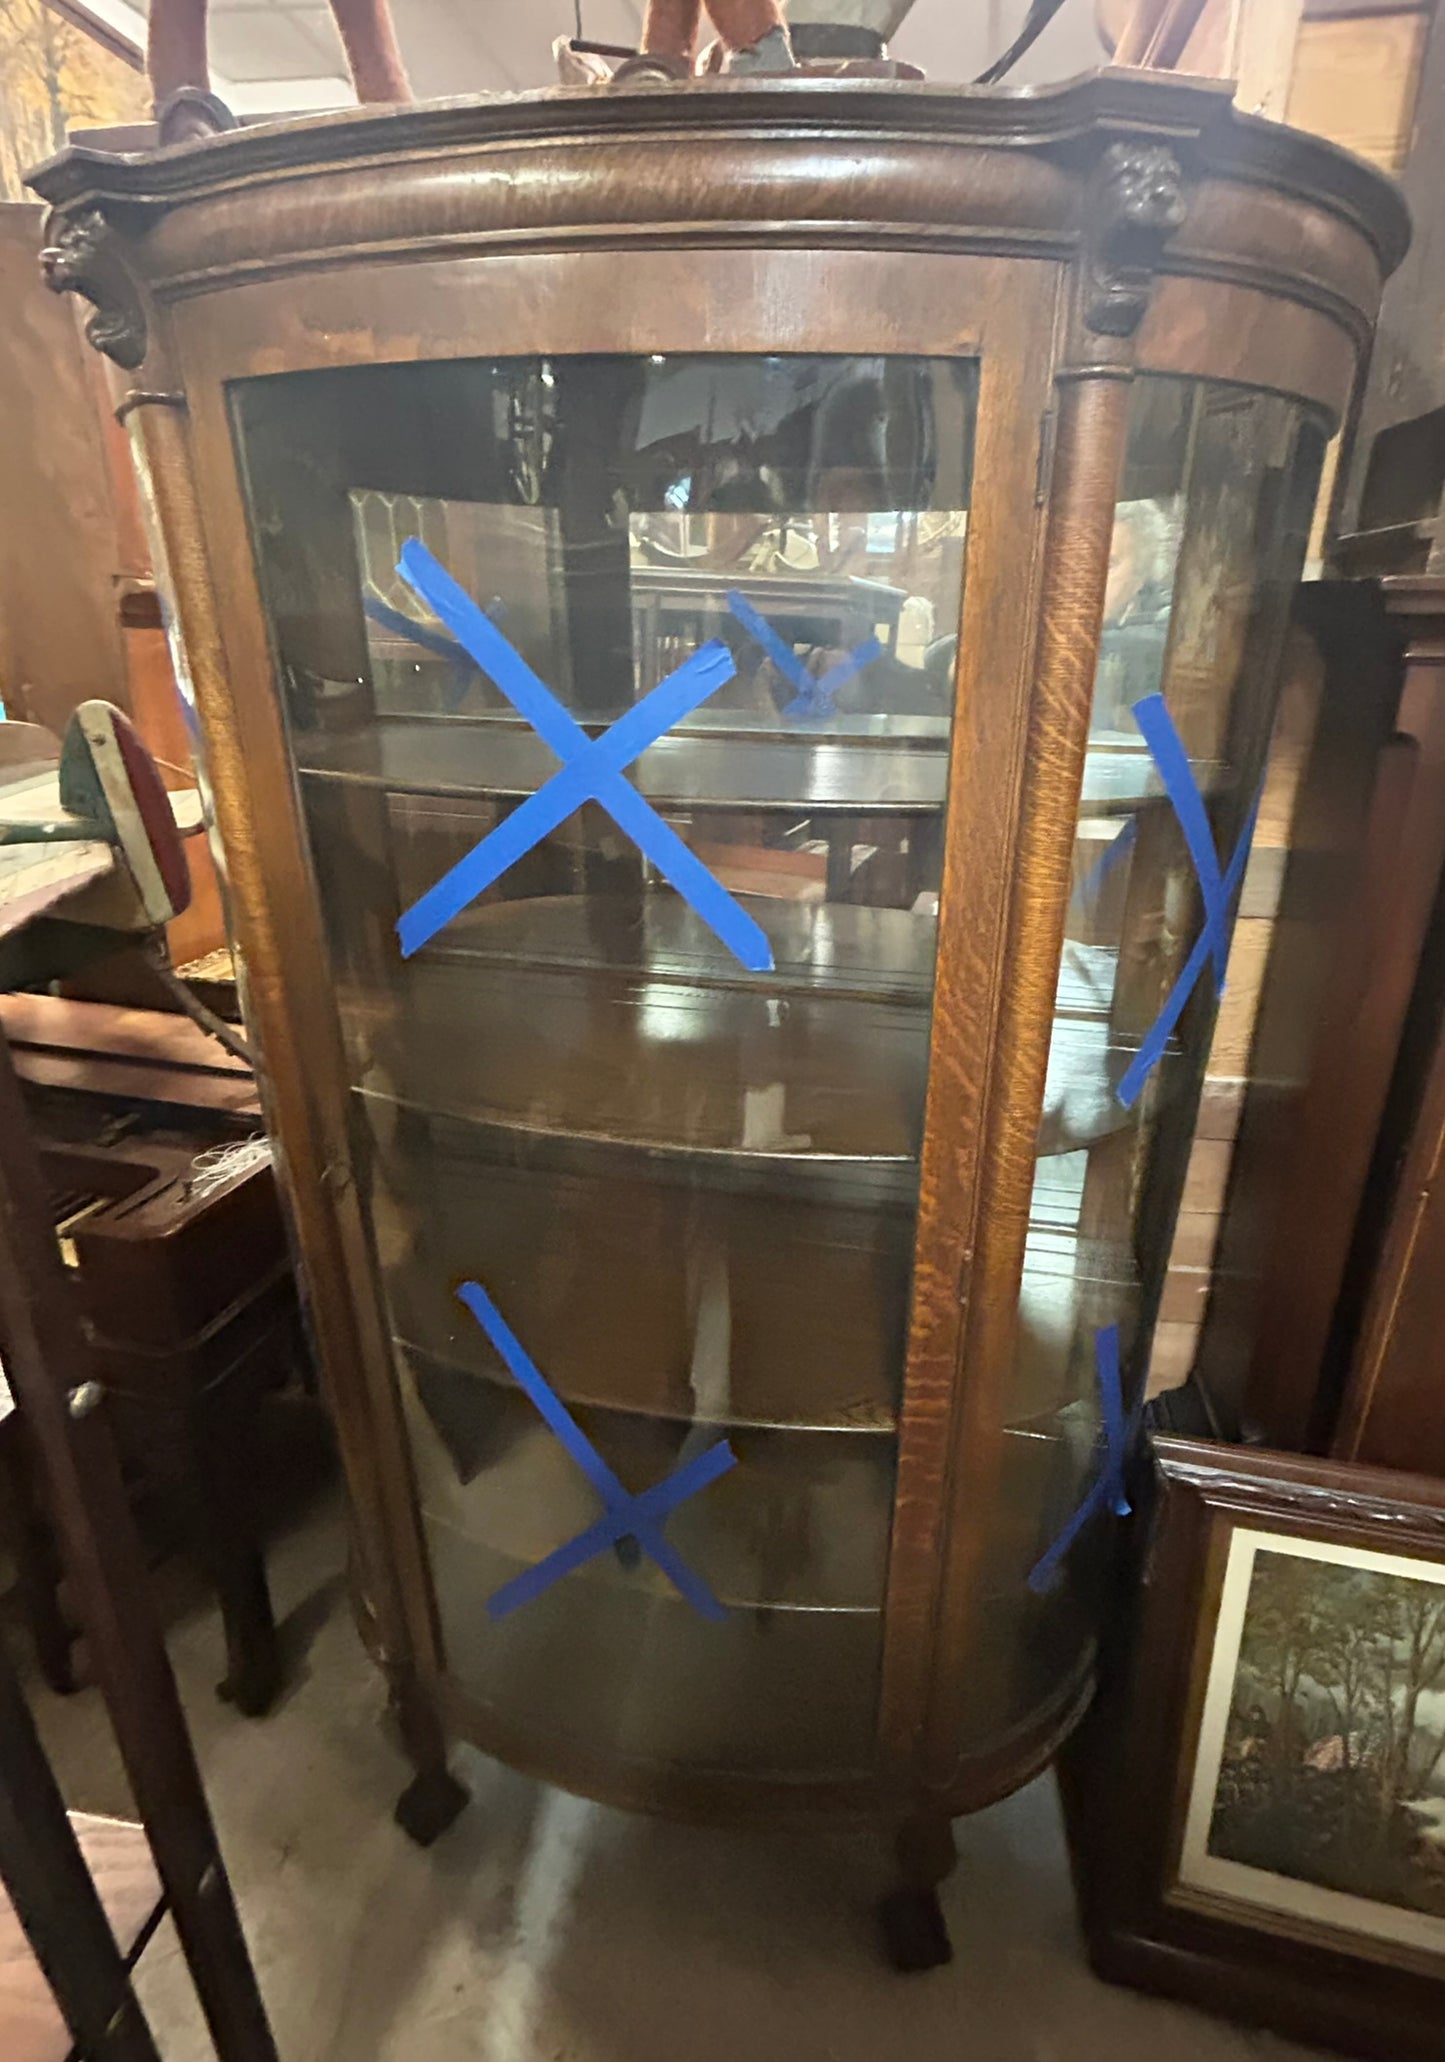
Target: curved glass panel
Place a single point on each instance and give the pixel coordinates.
(1209, 537)
(653, 1078)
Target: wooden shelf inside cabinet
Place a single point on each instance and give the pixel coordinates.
(787, 1694)
(874, 769)
(862, 765)
(830, 950)
(667, 1263)
(821, 1067)
(792, 1690)
(810, 1069)
(801, 1523)
(580, 1256)
(700, 1072)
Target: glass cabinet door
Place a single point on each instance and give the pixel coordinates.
(619, 693)
(1209, 537)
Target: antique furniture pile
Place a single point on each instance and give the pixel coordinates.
(160, 1186)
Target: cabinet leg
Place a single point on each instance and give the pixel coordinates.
(253, 1660)
(433, 1798)
(224, 1537)
(915, 1935)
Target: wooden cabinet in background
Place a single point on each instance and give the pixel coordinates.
(1357, 74)
(79, 617)
(1386, 1396)
(1394, 1403)
(67, 543)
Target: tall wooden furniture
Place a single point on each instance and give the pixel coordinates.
(727, 1199)
(1391, 1412)
(175, 1245)
(1291, 1396)
(64, 540)
(52, 1370)
(79, 616)
(181, 1264)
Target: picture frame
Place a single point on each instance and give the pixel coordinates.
(1253, 1803)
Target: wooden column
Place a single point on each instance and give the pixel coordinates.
(1089, 452)
(1134, 202)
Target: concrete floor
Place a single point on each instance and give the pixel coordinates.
(542, 1929)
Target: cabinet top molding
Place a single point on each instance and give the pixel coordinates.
(802, 158)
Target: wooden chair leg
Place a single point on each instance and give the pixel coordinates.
(188, 1461)
(222, 1447)
(55, 1900)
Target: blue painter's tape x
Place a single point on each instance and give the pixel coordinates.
(1108, 1490)
(1166, 748)
(625, 1516)
(591, 770)
(815, 693)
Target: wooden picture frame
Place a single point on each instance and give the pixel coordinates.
(1217, 1810)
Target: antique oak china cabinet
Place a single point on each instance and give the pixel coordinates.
(734, 626)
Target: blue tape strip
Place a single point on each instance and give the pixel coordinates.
(816, 699)
(1152, 1050)
(761, 631)
(1108, 1489)
(627, 1516)
(1166, 749)
(625, 1521)
(816, 693)
(591, 771)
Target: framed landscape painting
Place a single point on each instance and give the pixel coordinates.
(1318, 1787)
(1256, 1807)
